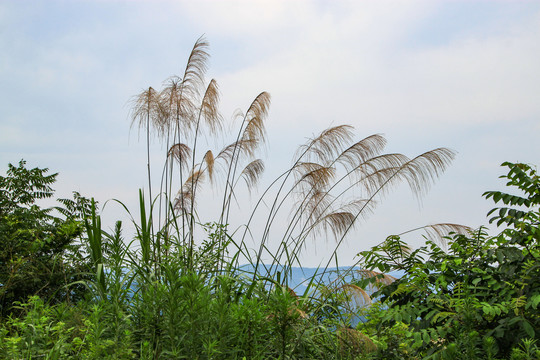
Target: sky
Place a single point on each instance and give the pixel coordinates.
(426, 74)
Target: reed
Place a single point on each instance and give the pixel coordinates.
(180, 280)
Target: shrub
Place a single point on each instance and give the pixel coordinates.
(38, 250)
(480, 297)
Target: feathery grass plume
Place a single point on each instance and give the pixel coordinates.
(209, 161)
(255, 117)
(185, 92)
(251, 135)
(181, 94)
(419, 172)
(376, 174)
(356, 296)
(337, 222)
(320, 217)
(424, 169)
(318, 209)
(196, 66)
(181, 153)
(318, 178)
(314, 205)
(372, 280)
(361, 151)
(243, 147)
(209, 108)
(251, 173)
(325, 147)
(439, 232)
(147, 113)
(209, 112)
(180, 107)
(184, 201)
(353, 159)
(380, 278)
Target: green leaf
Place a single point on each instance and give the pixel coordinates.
(528, 329)
(533, 301)
(426, 337)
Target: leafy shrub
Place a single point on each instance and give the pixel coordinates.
(480, 297)
(38, 250)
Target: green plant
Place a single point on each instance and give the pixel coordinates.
(479, 297)
(184, 285)
(39, 252)
(177, 290)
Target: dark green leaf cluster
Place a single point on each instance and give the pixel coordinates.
(38, 252)
(480, 297)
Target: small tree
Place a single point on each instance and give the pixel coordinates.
(38, 251)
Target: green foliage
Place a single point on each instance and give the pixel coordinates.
(38, 251)
(63, 331)
(479, 298)
(170, 293)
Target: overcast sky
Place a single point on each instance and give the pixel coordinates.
(459, 74)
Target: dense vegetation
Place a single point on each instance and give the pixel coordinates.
(478, 296)
(38, 253)
(176, 289)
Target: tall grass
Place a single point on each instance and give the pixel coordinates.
(177, 290)
(334, 182)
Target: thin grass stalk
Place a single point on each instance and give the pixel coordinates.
(169, 163)
(177, 135)
(209, 98)
(286, 175)
(260, 101)
(297, 217)
(306, 150)
(163, 183)
(450, 154)
(194, 71)
(307, 228)
(300, 210)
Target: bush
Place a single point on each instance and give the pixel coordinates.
(38, 250)
(480, 297)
